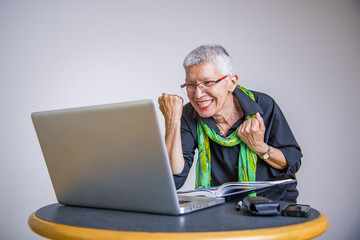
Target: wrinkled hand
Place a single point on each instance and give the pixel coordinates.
(171, 107)
(252, 133)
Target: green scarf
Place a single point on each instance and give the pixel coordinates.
(247, 158)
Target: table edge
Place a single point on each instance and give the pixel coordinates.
(305, 230)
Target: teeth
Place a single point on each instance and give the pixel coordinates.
(204, 104)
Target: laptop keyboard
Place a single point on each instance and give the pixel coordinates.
(183, 201)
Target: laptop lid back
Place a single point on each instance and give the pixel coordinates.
(108, 156)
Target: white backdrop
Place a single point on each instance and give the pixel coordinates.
(59, 54)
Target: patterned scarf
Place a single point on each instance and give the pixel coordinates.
(247, 158)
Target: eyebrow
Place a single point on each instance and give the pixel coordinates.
(204, 79)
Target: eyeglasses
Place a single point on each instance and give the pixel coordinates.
(205, 86)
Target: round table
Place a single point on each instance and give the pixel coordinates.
(57, 221)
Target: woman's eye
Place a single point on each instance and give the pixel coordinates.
(208, 83)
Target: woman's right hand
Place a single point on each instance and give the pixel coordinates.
(171, 106)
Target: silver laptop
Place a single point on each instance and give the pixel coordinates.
(111, 156)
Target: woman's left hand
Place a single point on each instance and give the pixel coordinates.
(252, 133)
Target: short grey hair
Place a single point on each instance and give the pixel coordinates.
(210, 53)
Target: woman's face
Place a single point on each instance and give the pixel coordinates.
(211, 102)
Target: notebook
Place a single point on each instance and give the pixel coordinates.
(111, 156)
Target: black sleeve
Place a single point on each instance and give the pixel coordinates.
(279, 135)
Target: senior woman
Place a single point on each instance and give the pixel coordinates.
(241, 135)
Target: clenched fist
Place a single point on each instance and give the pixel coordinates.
(171, 106)
(252, 133)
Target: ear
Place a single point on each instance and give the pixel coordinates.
(232, 82)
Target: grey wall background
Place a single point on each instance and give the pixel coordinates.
(60, 54)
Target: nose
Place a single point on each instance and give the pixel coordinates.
(198, 91)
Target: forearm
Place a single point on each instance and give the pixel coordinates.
(174, 147)
(276, 159)
(171, 107)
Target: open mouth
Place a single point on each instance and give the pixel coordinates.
(204, 104)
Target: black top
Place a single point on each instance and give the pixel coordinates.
(224, 160)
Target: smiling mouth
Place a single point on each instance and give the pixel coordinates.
(204, 104)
